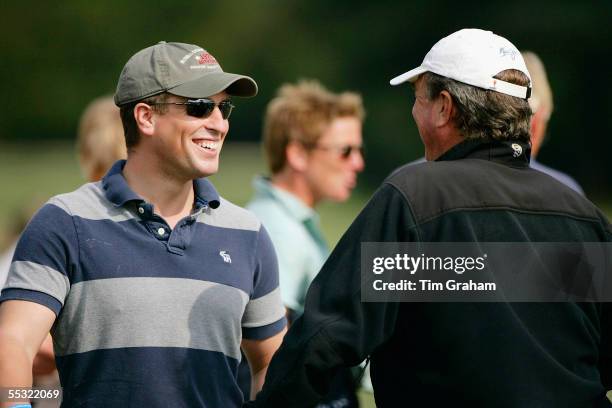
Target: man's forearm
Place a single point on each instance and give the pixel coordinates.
(15, 366)
(257, 381)
(259, 353)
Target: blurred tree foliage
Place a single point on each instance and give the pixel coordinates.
(57, 56)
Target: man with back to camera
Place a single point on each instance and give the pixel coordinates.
(541, 103)
(151, 281)
(472, 114)
(313, 143)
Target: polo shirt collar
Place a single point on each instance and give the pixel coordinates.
(118, 191)
(205, 193)
(510, 152)
(294, 206)
(116, 188)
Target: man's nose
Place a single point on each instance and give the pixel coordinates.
(357, 160)
(215, 121)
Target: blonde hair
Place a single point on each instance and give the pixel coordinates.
(100, 140)
(541, 94)
(301, 113)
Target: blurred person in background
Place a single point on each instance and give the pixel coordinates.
(100, 139)
(541, 102)
(312, 140)
(151, 281)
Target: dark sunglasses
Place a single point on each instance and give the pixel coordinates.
(344, 151)
(203, 108)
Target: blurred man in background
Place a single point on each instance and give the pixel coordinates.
(541, 102)
(313, 145)
(473, 117)
(152, 283)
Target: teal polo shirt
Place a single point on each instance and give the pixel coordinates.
(296, 236)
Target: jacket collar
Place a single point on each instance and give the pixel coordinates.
(513, 153)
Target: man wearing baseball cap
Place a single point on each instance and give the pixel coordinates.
(150, 281)
(473, 116)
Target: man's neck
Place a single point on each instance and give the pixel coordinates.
(442, 143)
(295, 185)
(172, 199)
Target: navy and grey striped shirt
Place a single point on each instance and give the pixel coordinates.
(146, 315)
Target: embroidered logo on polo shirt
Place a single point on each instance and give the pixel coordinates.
(518, 149)
(226, 257)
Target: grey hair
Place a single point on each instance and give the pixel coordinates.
(481, 113)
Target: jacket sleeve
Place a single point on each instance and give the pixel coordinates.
(337, 329)
(605, 324)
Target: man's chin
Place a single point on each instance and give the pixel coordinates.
(341, 196)
(206, 171)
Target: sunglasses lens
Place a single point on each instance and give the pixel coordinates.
(346, 151)
(200, 108)
(226, 109)
(203, 108)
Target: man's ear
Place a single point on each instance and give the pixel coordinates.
(444, 106)
(145, 120)
(297, 156)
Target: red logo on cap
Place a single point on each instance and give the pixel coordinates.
(206, 58)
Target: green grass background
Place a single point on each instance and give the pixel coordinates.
(30, 174)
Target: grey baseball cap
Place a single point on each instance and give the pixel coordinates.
(180, 69)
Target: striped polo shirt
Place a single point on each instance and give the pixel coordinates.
(148, 315)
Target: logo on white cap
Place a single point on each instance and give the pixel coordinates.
(503, 51)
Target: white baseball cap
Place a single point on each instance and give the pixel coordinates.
(474, 57)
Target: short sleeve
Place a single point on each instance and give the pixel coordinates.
(46, 253)
(264, 315)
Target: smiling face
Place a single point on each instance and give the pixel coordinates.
(188, 147)
(330, 175)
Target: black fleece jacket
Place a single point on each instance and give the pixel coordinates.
(454, 354)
